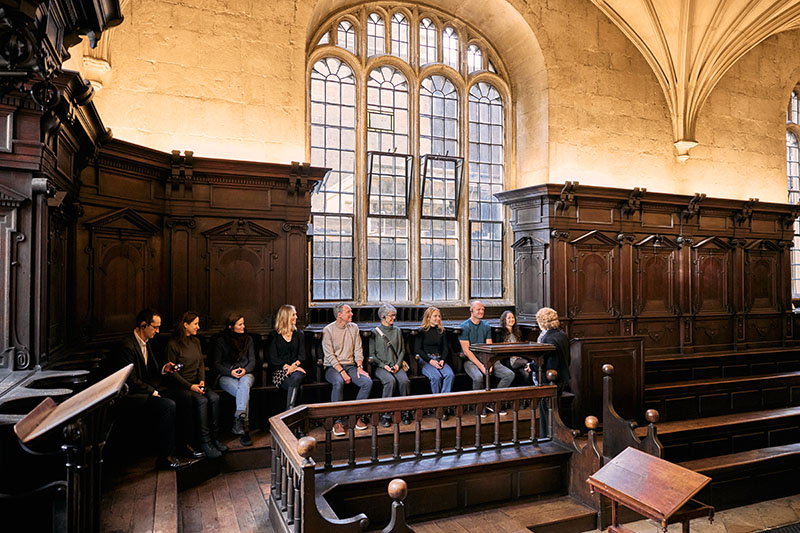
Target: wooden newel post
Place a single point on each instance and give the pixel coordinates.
(398, 490)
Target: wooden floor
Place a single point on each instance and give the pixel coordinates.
(231, 502)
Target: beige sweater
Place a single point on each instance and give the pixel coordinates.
(342, 345)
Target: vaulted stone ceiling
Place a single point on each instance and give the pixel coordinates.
(691, 44)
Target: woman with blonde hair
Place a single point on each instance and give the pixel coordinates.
(286, 354)
(430, 345)
(557, 359)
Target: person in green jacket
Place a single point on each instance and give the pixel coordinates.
(387, 350)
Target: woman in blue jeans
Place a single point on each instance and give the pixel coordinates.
(431, 347)
(235, 360)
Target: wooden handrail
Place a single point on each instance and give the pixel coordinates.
(292, 495)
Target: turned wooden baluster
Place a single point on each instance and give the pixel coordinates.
(305, 448)
(328, 425)
(551, 376)
(459, 414)
(276, 457)
(284, 481)
(534, 425)
(351, 440)
(497, 408)
(417, 432)
(438, 440)
(375, 419)
(396, 434)
(515, 425)
(290, 496)
(398, 490)
(478, 410)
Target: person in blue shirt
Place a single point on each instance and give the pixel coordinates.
(475, 330)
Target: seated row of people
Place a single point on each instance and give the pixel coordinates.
(177, 392)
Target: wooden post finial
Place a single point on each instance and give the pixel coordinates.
(398, 489)
(551, 375)
(591, 422)
(652, 416)
(608, 369)
(306, 447)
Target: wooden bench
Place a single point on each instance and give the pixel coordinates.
(679, 367)
(712, 397)
(722, 435)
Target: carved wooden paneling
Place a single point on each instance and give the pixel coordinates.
(661, 335)
(655, 277)
(241, 260)
(530, 275)
(58, 301)
(8, 264)
(761, 277)
(595, 270)
(688, 273)
(119, 280)
(711, 276)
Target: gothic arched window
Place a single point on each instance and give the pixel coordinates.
(414, 129)
(793, 178)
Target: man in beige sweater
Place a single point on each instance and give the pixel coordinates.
(344, 359)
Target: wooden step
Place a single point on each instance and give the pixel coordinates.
(749, 477)
(727, 434)
(558, 515)
(712, 397)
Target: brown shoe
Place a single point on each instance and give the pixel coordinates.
(338, 430)
(360, 425)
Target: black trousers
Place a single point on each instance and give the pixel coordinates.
(154, 409)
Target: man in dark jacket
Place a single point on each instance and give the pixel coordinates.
(145, 382)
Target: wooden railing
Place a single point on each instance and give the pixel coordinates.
(293, 505)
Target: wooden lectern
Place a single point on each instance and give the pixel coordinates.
(653, 487)
(81, 425)
(490, 353)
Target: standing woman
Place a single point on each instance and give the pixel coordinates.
(287, 352)
(184, 347)
(430, 345)
(235, 359)
(387, 350)
(510, 332)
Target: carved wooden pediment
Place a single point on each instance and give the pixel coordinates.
(124, 220)
(10, 197)
(240, 229)
(595, 238)
(762, 244)
(658, 241)
(530, 242)
(712, 243)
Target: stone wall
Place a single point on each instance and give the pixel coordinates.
(228, 79)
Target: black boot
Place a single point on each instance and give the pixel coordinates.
(292, 396)
(245, 439)
(238, 424)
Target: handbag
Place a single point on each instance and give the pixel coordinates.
(278, 376)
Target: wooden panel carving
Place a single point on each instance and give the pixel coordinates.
(661, 335)
(711, 283)
(530, 275)
(240, 256)
(655, 279)
(761, 274)
(591, 287)
(118, 280)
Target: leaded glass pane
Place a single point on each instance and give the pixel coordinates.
(486, 178)
(427, 42)
(346, 36)
(450, 47)
(400, 36)
(387, 259)
(332, 265)
(438, 130)
(376, 35)
(325, 39)
(794, 109)
(474, 58)
(438, 260)
(387, 111)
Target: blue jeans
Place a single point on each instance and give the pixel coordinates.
(505, 374)
(441, 380)
(333, 377)
(239, 389)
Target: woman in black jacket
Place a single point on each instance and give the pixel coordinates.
(286, 354)
(235, 360)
